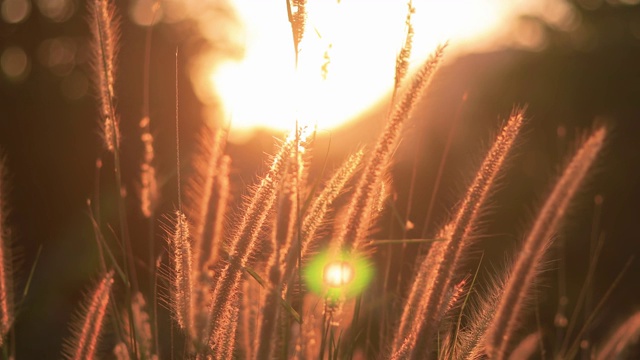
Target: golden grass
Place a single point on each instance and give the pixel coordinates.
(234, 286)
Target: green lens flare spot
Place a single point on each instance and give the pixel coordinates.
(338, 275)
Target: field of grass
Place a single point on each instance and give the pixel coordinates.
(322, 259)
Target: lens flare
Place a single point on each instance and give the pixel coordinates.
(334, 276)
(338, 274)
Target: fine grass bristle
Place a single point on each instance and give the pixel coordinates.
(470, 343)
(520, 278)
(86, 330)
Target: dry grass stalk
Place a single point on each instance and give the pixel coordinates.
(424, 308)
(351, 235)
(104, 29)
(88, 326)
(6, 263)
(182, 282)
(243, 246)
(524, 271)
(624, 336)
(148, 182)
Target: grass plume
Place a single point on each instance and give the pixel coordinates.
(148, 182)
(243, 246)
(404, 56)
(182, 282)
(105, 32)
(89, 325)
(517, 287)
(351, 235)
(423, 310)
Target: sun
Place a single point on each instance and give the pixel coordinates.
(346, 60)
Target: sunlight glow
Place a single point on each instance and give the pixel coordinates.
(334, 276)
(346, 58)
(338, 274)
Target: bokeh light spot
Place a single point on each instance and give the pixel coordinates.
(57, 10)
(338, 274)
(15, 11)
(145, 12)
(58, 54)
(342, 275)
(15, 63)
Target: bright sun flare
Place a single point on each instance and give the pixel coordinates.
(338, 274)
(346, 58)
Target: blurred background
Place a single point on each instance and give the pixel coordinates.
(573, 64)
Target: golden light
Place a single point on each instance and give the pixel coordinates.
(346, 59)
(338, 274)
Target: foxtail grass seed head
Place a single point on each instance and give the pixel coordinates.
(142, 328)
(208, 194)
(298, 19)
(86, 330)
(539, 239)
(182, 282)
(404, 56)
(105, 31)
(148, 182)
(423, 310)
(243, 246)
(351, 236)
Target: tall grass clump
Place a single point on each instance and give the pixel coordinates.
(285, 274)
